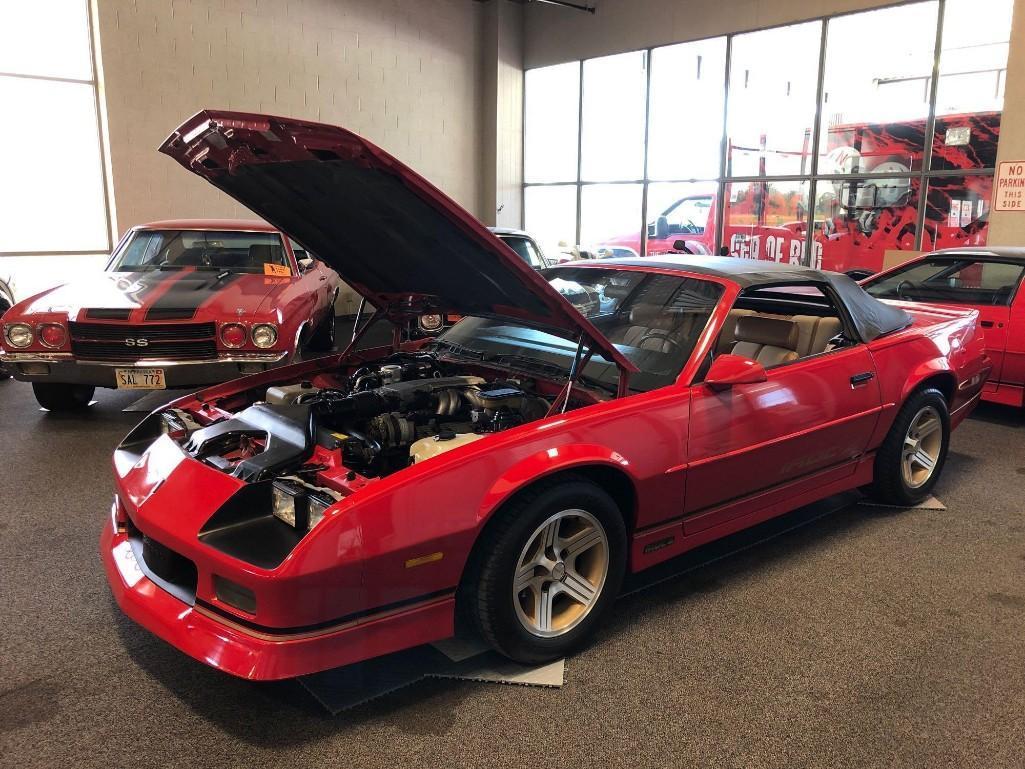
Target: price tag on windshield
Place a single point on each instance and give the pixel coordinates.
(277, 270)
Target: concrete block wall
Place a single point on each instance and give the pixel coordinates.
(402, 73)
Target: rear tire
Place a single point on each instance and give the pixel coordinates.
(62, 397)
(563, 543)
(911, 458)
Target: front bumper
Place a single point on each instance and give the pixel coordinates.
(62, 368)
(262, 654)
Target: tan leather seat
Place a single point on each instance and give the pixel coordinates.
(728, 335)
(770, 341)
(814, 332)
(653, 328)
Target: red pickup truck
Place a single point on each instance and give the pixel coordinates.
(856, 219)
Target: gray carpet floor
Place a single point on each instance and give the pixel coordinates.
(863, 638)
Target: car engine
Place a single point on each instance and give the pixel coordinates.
(384, 417)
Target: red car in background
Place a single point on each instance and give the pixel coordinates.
(512, 471)
(987, 280)
(181, 303)
(856, 220)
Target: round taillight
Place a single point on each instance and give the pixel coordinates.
(233, 334)
(53, 335)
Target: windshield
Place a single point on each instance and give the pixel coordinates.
(960, 280)
(525, 249)
(256, 252)
(654, 320)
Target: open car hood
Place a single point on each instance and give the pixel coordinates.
(388, 232)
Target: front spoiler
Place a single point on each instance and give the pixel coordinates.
(260, 656)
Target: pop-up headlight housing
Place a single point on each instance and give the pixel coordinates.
(300, 507)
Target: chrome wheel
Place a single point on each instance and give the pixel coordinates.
(922, 447)
(560, 573)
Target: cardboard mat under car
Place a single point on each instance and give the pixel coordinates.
(343, 688)
(929, 504)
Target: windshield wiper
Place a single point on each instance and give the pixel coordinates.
(458, 349)
(526, 362)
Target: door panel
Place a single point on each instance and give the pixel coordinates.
(994, 322)
(808, 416)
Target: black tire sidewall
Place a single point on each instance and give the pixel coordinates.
(496, 613)
(324, 337)
(57, 396)
(889, 486)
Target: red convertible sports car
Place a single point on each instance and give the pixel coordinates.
(988, 280)
(511, 471)
(181, 304)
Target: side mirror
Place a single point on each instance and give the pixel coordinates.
(729, 370)
(306, 263)
(661, 228)
(681, 245)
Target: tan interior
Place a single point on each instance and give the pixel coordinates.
(813, 332)
(770, 341)
(653, 328)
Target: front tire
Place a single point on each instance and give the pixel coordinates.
(911, 458)
(323, 338)
(548, 570)
(62, 397)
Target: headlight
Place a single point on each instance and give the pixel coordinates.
(431, 323)
(264, 335)
(283, 504)
(300, 510)
(317, 509)
(18, 335)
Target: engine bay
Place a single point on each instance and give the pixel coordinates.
(378, 419)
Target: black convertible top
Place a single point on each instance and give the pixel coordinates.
(871, 317)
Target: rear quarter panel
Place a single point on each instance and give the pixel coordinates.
(942, 344)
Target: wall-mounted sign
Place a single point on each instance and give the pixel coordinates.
(1009, 190)
(958, 136)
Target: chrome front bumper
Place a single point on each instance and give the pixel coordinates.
(63, 368)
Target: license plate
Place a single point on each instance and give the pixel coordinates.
(140, 379)
(126, 564)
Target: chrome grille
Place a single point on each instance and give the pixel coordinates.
(154, 341)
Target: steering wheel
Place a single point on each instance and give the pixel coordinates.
(662, 336)
(901, 286)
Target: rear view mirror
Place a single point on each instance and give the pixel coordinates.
(729, 370)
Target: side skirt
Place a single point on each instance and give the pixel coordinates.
(661, 543)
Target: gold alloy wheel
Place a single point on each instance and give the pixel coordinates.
(922, 446)
(560, 573)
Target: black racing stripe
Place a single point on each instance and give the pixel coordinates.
(145, 284)
(327, 625)
(186, 296)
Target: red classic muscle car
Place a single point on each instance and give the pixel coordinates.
(988, 280)
(180, 304)
(511, 471)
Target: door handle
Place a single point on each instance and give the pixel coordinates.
(323, 277)
(987, 324)
(862, 378)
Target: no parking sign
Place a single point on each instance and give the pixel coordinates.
(1009, 193)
